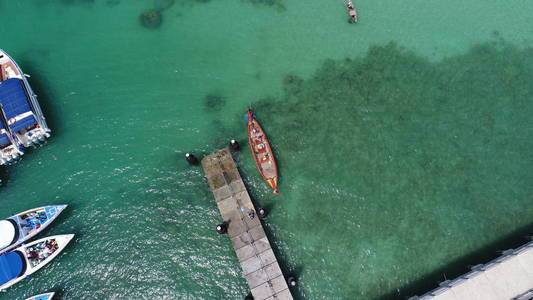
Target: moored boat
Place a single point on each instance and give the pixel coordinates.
(262, 152)
(46, 296)
(29, 258)
(25, 225)
(351, 11)
(22, 123)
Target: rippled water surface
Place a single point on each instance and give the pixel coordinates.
(404, 141)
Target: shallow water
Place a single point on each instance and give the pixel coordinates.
(400, 165)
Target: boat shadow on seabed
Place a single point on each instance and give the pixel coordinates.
(39, 85)
(45, 93)
(3, 175)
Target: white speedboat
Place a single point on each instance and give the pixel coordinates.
(22, 123)
(21, 227)
(47, 296)
(29, 258)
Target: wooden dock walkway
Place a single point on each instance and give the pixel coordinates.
(258, 262)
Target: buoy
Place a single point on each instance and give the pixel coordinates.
(262, 213)
(222, 228)
(234, 146)
(193, 161)
(291, 281)
(249, 297)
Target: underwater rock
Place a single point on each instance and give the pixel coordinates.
(74, 1)
(112, 3)
(163, 4)
(391, 87)
(405, 127)
(214, 102)
(151, 18)
(278, 4)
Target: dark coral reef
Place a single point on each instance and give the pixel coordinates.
(213, 102)
(444, 141)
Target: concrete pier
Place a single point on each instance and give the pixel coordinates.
(509, 276)
(258, 262)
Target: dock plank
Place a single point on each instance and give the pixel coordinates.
(248, 238)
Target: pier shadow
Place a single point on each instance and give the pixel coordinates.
(462, 265)
(287, 268)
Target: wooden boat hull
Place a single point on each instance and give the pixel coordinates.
(262, 152)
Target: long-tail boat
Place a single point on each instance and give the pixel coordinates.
(351, 11)
(262, 152)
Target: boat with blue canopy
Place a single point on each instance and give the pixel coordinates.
(22, 123)
(46, 296)
(21, 227)
(29, 258)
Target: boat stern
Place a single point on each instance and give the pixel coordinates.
(273, 183)
(35, 137)
(10, 154)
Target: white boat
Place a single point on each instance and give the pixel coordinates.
(22, 123)
(47, 296)
(29, 258)
(21, 227)
(351, 11)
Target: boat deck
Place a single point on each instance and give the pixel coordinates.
(258, 262)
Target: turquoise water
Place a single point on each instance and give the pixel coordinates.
(403, 141)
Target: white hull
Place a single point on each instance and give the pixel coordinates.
(27, 137)
(42, 296)
(62, 241)
(59, 208)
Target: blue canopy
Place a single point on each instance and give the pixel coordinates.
(12, 265)
(3, 136)
(15, 102)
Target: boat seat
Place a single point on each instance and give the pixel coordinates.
(260, 149)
